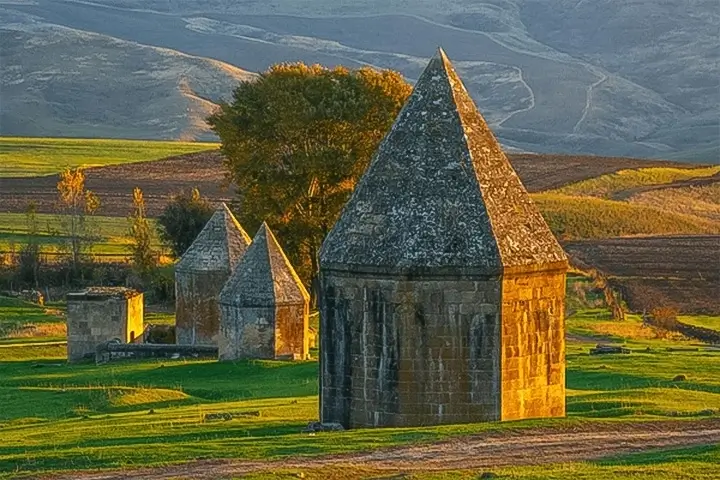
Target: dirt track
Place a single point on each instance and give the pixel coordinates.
(492, 450)
(161, 178)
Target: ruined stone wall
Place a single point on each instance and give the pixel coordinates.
(91, 322)
(197, 316)
(291, 330)
(246, 333)
(533, 338)
(397, 352)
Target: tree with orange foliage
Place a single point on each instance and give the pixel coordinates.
(297, 139)
(76, 205)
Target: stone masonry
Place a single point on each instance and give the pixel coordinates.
(101, 314)
(441, 286)
(200, 275)
(264, 305)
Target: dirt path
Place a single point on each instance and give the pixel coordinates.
(492, 450)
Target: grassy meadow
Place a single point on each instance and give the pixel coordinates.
(60, 417)
(111, 235)
(31, 157)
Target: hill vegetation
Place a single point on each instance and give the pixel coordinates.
(701, 201)
(31, 157)
(607, 186)
(578, 217)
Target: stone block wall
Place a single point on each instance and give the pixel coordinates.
(398, 352)
(533, 345)
(197, 315)
(263, 332)
(246, 333)
(92, 321)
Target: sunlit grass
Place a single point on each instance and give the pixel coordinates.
(29, 157)
(579, 217)
(706, 321)
(606, 185)
(110, 234)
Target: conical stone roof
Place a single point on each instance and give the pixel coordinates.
(219, 246)
(439, 194)
(264, 276)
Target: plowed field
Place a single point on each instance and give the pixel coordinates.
(160, 178)
(679, 271)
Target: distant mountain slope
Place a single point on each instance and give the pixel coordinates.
(58, 81)
(635, 78)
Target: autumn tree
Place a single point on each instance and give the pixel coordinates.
(77, 205)
(182, 220)
(297, 139)
(141, 234)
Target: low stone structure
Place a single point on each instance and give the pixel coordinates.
(101, 314)
(441, 286)
(201, 273)
(264, 305)
(110, 351)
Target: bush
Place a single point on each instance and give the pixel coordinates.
(182, 220)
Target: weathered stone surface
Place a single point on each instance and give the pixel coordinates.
(264, 305)
(441, 286)
(200, 275)
(100, 314)
(440, 192)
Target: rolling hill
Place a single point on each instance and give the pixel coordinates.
(551, 75)
(58, 81)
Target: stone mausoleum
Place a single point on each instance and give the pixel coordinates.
(441, 286)
(101, 314)
(201, 273)
(264, 306)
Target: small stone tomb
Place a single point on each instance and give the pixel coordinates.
(264, 306)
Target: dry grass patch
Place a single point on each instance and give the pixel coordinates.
(606, 185)
(39, 330)
(701, 201)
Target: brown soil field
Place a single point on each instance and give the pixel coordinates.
(492, 450)
(161, 178)
(678, 271)
(114, 184)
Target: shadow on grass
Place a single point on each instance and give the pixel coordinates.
(704, 453)
(229, 431)
(608, 380)
(208, 380)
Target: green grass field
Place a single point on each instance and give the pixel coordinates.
(59, 417)
(111, 232)
(30, 157)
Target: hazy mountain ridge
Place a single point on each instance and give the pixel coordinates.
(550, 75)
(58, 81)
